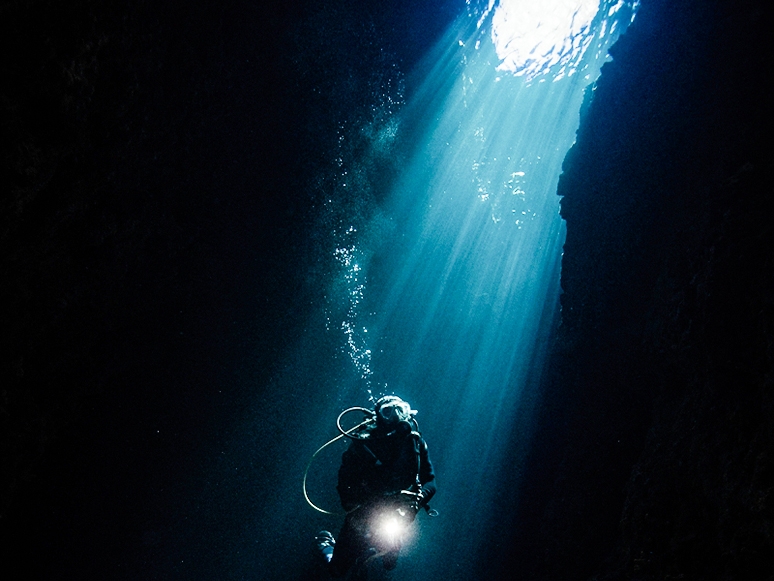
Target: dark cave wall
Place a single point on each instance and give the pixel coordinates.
(148, 278)
(653, 456)
(162, 169)
(123, 219)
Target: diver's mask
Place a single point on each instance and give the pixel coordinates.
(394, 414)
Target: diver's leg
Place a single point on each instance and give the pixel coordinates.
(390, 560)
(350, 545)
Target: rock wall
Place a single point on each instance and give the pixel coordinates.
(653, 455)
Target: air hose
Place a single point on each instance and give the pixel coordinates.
(344, 433)
(353, 434)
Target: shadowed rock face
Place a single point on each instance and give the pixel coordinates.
(654, 455)
(123, 273)
(157, 255)
(123, 223)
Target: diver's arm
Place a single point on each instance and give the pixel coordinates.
(351, 485)
(426, 474)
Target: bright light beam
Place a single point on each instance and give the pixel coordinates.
(531, 38)
(469, 275)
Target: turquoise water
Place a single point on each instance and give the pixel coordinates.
(441, 283)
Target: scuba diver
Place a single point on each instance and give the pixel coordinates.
(385, 478)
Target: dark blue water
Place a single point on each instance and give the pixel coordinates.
(431, 271)
(440, 247)
(229, 221)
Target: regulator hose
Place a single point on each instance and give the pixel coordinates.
(349, 433)
(344, 433)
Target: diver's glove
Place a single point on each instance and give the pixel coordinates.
(416, 500)
(421, 498)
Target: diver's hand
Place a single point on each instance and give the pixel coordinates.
(421, 498)
(415, 499)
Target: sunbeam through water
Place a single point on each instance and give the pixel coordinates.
(449, 292)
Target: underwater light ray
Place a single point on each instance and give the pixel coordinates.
(457, 290)
(454, 292)
(460, 311)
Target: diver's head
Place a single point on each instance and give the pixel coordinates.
(393, 414)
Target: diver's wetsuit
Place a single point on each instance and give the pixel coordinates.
(371, 471)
